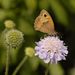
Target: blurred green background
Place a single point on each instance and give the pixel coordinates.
(23, 13)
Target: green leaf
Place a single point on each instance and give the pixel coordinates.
(72, 71)
(25, 27)
(34, 63)
(25, 71)
(7, 3)
(31, 4)
(59, 12)
(72, 4)
(10, 13)
(2, 14)
(55, 69)
(43, 4)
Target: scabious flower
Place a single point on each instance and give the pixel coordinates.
(14, 38)
(51, 49)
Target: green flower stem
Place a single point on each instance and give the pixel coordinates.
(7, 62)
(46, 72)
(20, 65)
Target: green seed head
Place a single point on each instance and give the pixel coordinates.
(14, 38)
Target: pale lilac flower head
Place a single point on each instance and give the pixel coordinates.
(51, 49)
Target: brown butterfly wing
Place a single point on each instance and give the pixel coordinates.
(46, 28)
(44, 23)
(38, 24)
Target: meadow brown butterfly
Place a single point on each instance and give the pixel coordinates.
(44, 23)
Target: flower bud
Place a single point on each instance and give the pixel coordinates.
(14, 38)
(29, 51)
(9, 24)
